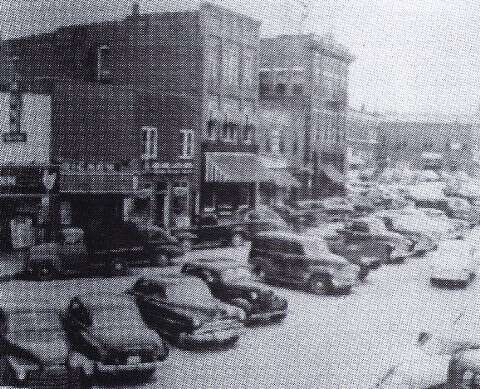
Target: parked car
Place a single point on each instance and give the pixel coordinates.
(108, 330)
(260, 219)
(296, 217)
(184, 310)
(35, 352)
(397, 247)
(301, 260)
(231, 282)
(453, 264)
(459, 208)
(338, 208)
(209, 231)
(111, 249)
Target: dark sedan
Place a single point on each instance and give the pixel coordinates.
(33, 349)
(108, 329)
(231, 282)
(184, 310)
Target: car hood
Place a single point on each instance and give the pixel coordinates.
(204, 312)
(54, 352)
(126, 338)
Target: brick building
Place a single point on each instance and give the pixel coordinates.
(425, 144)
(362, 138)
(145, 108)
(308, 76)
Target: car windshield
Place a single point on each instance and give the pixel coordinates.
(315, 247)
(40, 326)
(116, 317)
(236, 273)
(189, 293)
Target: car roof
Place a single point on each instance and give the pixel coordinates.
(217, 263)
(171, 280)
(105, 300)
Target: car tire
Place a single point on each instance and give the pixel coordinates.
(237, 240)
(44, 272)
(186, 245)
(320, 285)
(117, 268)
(160, 260)
(243, 304)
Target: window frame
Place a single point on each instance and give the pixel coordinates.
(149, 143)
(187, 144)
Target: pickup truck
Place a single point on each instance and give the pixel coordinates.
(111, 249)
(209, 231)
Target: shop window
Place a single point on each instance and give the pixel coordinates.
(187, 143)
(149, 143)
(104, 63)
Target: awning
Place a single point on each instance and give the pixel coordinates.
(334, 175)
(234, 167)
(283, 179)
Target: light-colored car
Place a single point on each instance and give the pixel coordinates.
(453, 264)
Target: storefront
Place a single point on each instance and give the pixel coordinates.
(27, 198)
(159, 195)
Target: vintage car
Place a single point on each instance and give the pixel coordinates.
(231, 281)
(110, 249)
(210, 231)
(38, 355)
(459, 208)
(372, 229)
(184, 310)
(296, 217)
(260, 219)
(338, 208)
(301, 260)
(454, 264)
(108, 330)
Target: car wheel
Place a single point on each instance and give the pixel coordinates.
(160, 260)
(44, 272)
(117, 268)
(319, 285)
(186, 245)
(237, 240)
(243, 304)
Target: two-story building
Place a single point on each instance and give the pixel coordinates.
(153, 116)
(307, 75)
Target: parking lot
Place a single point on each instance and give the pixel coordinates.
(325, 341)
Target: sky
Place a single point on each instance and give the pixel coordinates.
(412, 56)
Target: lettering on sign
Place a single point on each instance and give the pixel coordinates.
(8, 180)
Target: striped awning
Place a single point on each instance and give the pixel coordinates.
(234, 167)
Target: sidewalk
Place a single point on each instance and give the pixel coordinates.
(10, 265)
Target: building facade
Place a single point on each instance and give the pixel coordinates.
(146, 103)
(308, 75)
(426, 145)
(362, 138)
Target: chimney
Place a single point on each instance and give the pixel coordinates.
(135, 9)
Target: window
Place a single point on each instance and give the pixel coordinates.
(149, 143)
(212, 128)
(187, 143)
(104, 63)
(248, 69)
(298, 89)
(276, 142)
(229, 131)
(213, 62)
(295, 145)
(280, 89)
(232, 66)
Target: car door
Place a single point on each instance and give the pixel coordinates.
(295, 269)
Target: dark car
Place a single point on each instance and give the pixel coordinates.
(108, 329)
(209, 231)
(301, 260)
(184, 310)
(260, 219)
(231, 282)
(34, 351)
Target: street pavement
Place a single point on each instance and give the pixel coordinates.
(325, 341)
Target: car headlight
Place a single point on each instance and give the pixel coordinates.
(253, 295)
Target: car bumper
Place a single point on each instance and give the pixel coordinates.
(266, 316)
(340, 284)
(213, 337)
(125, 368)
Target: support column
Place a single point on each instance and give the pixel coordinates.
(166, 206)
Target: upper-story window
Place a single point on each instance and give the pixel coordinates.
(213, 62)
(264, 82)
(232, 66)
(213, 122)
(248, 65)
(297, 89)
(187, 143)
(231, 120)
(149, 143)
(280, 89)
(104, 63)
